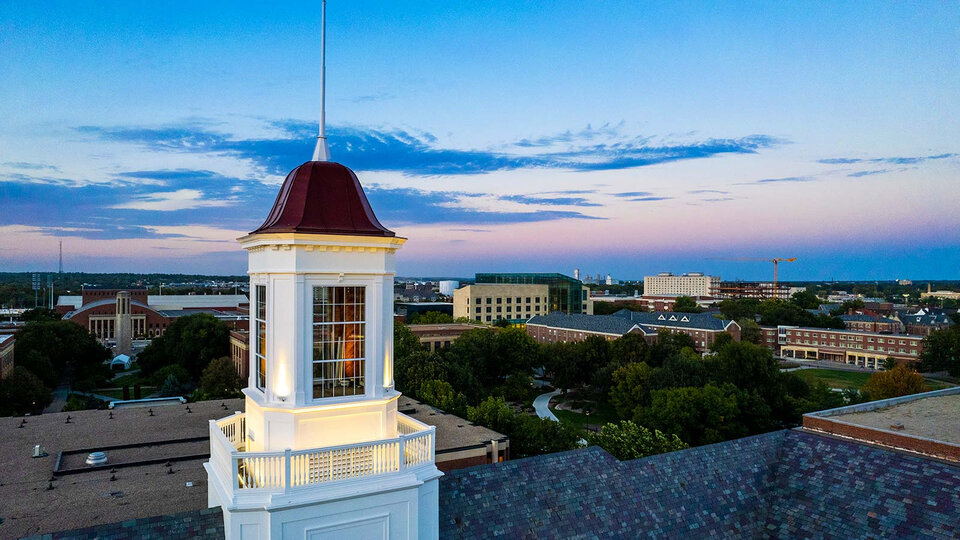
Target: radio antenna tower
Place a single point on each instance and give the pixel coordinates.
(61, 256)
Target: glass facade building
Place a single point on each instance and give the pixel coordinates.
(565, 294)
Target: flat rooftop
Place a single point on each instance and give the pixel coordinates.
(936, 418)
(90, 497)
(85, 498)
(453, 432)
(927, 423)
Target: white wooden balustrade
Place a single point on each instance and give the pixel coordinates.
(296, 469)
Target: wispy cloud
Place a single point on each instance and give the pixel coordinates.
(859, 174)
(407, 206)
(181, 199)
(632, 194)
(718, 199)
(786, 179)
(649, 199)
(896, 160)
(370, 98)
(419, 153)
(30, 166)
(554, 201)
(706, 191)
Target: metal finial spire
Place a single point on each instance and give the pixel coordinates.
(322, 151)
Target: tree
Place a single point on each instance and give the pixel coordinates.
(705, 415)
(750, 331)
(844, 308)
(47, 348)
(899, 381)
(405, 342)
(628, 348)
(631, 389)
(806, 299)
(738, 308)
(722, 339)
(668, 345)
(219, 379)
(417, 368)
(562, 361)
(493, 413)
(191, 342)
(529, 435)
(431, 317)
(39, 314)
(441, 395)
(941, 351)
(625, 440)
(23, 392)
(685, 304)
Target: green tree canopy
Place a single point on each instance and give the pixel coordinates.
(40, 314)
(806, 299)
(47, 348)
(219, 379)
(668, 345)
(706, 415)
(738, 308)
(23, 392)
(430, 317)
(750, 331)
(626, 440)
(191, 342)
(686, 304)
(631, 388)
(941, 351)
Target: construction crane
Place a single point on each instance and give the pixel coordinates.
(776, 261)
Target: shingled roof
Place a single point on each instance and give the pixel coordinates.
(784, 484)
(699, 321)
(604, 324)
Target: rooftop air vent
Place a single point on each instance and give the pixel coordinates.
(97, 458)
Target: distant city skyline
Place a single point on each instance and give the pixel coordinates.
(615, 137)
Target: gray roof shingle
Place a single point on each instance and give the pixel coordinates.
(785, 484)
(700, 321)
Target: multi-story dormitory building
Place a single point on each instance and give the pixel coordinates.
(703, 328)
(864, 349)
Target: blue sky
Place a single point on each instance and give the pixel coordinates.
(617, 137)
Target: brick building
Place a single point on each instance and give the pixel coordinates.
(558, 327)
(924, 322)
(864, 349)
(6, 355)
(240, 352)
(870, 323)
(150, 315)
(438, 336)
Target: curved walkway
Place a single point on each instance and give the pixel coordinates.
(542, 405)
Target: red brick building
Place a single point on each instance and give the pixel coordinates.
(870, 323)
(702, 328)
(96, 310)
(6, 355)
(864, 349)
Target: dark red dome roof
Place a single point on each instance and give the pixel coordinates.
(322, 197)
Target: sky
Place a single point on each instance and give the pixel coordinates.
(617, 137)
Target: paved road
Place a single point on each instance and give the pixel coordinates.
(542, 405)
(59, 399)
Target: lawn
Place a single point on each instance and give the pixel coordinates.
(117, 393)
(602, 413)
(835, 378)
